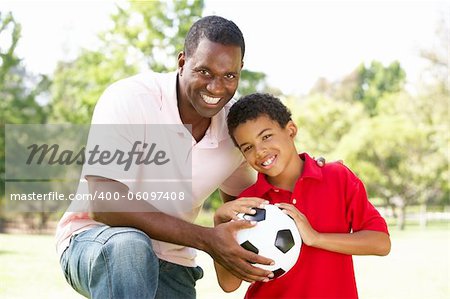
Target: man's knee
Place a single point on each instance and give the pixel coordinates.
(129, 246)
(126, 266)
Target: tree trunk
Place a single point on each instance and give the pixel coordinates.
(423, 216)
(401, 217)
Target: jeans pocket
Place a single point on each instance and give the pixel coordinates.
(197, 272)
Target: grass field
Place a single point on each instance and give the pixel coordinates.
(417, 268)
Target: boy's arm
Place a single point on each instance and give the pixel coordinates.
(227, 281)
(364, 242)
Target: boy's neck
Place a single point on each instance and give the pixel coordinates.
(289, 177)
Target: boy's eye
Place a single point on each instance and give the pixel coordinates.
(246, 148)
(265, 137)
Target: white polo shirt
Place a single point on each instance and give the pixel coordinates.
(150, 98)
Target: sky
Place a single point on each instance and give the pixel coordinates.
(293, 42)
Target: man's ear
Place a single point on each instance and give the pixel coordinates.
(292, 129)
(181, 61)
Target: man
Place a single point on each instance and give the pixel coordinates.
(148, 254)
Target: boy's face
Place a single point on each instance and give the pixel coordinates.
(266, 146)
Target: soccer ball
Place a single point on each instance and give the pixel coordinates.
(275, 236)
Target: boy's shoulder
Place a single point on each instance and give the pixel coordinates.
(338, 170)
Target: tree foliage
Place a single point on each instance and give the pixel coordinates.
(323, 122)
(376, 81)
(365, 84)
(19, 90)
(395, 141)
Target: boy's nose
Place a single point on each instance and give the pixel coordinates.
(261, 152)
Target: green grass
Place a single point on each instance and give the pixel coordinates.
(417, 267)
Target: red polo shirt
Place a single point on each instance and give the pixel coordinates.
(335, 201)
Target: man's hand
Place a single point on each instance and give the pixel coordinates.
(320, 161)
(224, 249)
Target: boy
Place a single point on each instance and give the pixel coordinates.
(329, 205)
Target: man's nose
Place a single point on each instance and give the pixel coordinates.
(216, 85)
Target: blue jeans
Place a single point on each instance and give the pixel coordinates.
(119, 262)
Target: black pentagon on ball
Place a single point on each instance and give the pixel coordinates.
(278, 272)
(258, 216)
(284, 240)
(250, 247)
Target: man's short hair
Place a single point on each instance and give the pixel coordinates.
(215, 29)
(254, 105)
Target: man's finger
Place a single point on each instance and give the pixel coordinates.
(320, 161)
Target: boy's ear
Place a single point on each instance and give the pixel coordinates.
(292, 129)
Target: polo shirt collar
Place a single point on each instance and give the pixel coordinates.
(310, 170)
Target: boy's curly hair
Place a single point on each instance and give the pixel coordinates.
(253, 106)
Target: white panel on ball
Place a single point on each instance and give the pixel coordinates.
(273, 234)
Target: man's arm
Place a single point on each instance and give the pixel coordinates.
(226, 197)
(217, 242)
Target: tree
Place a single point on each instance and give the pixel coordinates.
(376, 81)
(251, 82)
(323, 122)
(19, 90)
(365, 84)
(400, 158)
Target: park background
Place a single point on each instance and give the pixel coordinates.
(367, 83)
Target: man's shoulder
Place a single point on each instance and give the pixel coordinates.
(143, 82)
(229, 104)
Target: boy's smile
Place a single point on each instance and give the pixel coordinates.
(270, 149)
(269, 162)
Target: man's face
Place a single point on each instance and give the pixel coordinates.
(209, 77)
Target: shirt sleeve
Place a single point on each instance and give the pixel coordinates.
(116, 127)
(360, 212)
(242, 178)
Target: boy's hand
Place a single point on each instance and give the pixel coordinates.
(308, 234)
(229, 210)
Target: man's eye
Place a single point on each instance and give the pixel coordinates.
(230, 76)
(204, 72)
